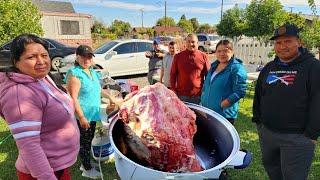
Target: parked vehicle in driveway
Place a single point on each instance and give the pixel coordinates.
(57, 51)
(118, 57)
(208, 42)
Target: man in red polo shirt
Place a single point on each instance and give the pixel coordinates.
(188, 70)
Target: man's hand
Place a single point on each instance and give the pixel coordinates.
(314, 142)
(148, 54)
(225, 103)
(160, 55)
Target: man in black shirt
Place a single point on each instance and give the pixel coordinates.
(286, 107)
(155, 61)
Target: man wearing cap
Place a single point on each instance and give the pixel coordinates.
(286, 107)
(155, 61)
(188, 70)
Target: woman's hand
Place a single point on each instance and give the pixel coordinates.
(225, 103)
(84, 123)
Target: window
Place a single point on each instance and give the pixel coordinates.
(125, 48)
(104, 48)
(69, 27)
(144, 46)
(202, 38)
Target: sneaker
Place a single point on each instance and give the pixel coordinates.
(93, 164)
(92, 174)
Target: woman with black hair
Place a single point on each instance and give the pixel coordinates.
(39, 115)
(225, 83)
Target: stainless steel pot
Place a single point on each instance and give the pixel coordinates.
(217, 146)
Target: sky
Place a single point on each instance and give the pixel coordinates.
(206, 11)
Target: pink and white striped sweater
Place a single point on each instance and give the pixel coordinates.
(41, 119)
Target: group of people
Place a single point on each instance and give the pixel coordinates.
(189, 74)
(52, 127)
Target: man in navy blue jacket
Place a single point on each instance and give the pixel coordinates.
(286, 107)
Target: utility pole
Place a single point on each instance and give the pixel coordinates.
(291, 9)
(165, 14)
(221, 10)
(141, 17)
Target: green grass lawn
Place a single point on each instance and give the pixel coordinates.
(244, 126)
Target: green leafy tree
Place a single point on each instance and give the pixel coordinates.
(183, 17)
(313, 7)
(169, 21)
(232, 23)
(186, 25)
(18, 16)
(98, 28)
(262, 17)
(195, 24)
(120, 28)
(311, 35)
(293, 18)
(205, 28)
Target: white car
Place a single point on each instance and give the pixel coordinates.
(208, 42)
(118, 57)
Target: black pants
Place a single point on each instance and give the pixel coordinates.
(86, 136)
(231, 120)
(285, 156)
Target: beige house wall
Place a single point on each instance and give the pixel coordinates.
(51, 24)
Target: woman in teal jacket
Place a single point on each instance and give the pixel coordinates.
(225, 83)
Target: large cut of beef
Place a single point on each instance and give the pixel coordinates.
(159, 129)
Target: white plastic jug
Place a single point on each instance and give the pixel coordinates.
(100, 147)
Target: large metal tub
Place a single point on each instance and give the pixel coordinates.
(216, 142)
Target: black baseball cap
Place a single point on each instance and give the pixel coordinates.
(286, 30)
(84, 50)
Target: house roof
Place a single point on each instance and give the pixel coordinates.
(53, 6)
(167, 29)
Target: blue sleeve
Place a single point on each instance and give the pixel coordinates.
(73, 72)
(239, 84)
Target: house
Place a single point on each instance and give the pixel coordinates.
(60, 22)
(167, 30)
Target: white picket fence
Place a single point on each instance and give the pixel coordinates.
(252, 51)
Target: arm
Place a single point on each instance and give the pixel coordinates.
(162, 70)
(161, 74)
(73, 86)
(174, 74)
(239, 86)
(256, 112)
(23, 111)
(313, 125)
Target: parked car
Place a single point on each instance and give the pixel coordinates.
(118, 57)
(57, 51)
(165, 40)
(208, 42)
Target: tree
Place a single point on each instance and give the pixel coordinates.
(195, 24)
(120, 28)
(18, 16)
(98, 28)
(313, 7)
(186, 25)
(205, 28)
(183, 17)
(292, 18)
(232, 23)
(311, 35)
(262, 17)
(169, 22)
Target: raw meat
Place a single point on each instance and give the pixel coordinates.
(159, 129)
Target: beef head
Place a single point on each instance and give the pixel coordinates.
(159, 129)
